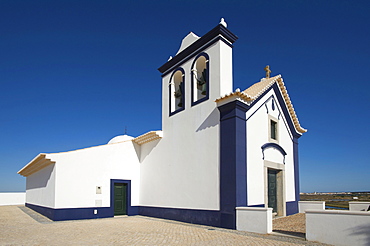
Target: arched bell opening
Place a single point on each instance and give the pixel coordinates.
(177, 91)
(200, 78)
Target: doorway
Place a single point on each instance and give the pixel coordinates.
(272, 189)
(120, 199)
(275, 191)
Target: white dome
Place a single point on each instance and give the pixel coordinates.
(120, 138)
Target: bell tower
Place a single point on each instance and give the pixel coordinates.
(200, 72)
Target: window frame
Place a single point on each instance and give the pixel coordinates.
(193, 80)
(272, 119)
(171, 92)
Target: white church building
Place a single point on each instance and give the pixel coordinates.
(218, 149)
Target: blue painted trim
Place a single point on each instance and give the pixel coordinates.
(296, 171)
(193, 103)
(131, 210)
(180, 63)
(291, 208)
(170, 92)
(272, 97)
(226, 36)
(58, 214)
(233, 161)
(280, 99)
(257, 206)
(275, 146)
(195, 216)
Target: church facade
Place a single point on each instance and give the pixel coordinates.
(218, 149)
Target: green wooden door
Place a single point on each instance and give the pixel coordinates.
(120, 198)
(272, 189)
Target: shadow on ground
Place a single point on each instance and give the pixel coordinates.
(34, 215)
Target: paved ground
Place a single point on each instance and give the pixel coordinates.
(21, 226)
(291, 225)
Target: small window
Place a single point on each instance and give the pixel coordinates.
(273, 129)
(200, 79)
(177, 91)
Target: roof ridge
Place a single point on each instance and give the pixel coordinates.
(290, 107)
(257, 89)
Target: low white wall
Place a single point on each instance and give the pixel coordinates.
(338, 227)
(359, 206)
(14, 198)
(309, 205)
(254, 219)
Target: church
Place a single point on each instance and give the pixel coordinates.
(218, 149)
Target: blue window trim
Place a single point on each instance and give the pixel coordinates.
(193, 103)
(170, 92)
(275, 146)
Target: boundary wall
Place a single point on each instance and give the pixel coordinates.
(12, 198)
(309, 205)
(359, 206)
(338, 227)
(254, 219)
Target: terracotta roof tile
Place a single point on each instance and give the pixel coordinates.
(257, 89)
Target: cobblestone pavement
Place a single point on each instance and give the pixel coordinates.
(293, 225)
(22, 226)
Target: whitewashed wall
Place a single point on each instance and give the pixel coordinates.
(359, 206)
(79, 172)
(258, 118)
(12, 198)
(338, 227)
(182, 169)
(40, 187)
(252, 219)
(309, 205)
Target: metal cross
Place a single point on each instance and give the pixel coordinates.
(268, 71)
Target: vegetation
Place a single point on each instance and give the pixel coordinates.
(337, 200)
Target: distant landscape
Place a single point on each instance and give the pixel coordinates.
(337, 200)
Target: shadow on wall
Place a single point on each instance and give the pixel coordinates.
(362, 231)
(212, 120)
(148, 148)
(40, 178)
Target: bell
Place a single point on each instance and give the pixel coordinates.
(204, 89)
(179, 105)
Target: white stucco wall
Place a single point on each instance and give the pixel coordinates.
(182, 169)
(79, 172)
(258, 124)
(40, 187)
(310, 205)
(359, 206)
(251, 219)
(338, 227)
(12, 198)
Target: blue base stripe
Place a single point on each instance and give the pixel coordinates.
(58, 214)
(195, 216)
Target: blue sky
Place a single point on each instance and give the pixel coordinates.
(74, 74)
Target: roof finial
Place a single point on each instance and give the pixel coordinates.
(125, 130)
(268, 71)
(222, 22)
